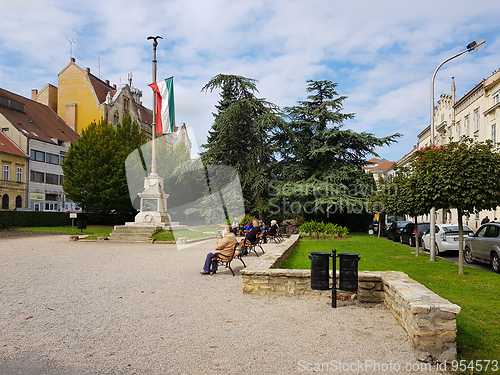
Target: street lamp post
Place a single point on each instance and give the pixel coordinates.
(473, 46)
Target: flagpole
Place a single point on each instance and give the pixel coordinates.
(153, 143)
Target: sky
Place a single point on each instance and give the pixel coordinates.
(382, 54)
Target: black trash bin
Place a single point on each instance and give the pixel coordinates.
(348, 266)
(320, 270)
(81, 224)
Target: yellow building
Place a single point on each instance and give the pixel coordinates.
(13, 178)
(82, 98)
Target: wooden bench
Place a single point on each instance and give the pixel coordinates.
(226, 262)
(277, 237)
(247, 246)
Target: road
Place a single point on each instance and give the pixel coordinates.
(452, 256)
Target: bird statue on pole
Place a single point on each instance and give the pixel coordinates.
(155, 40)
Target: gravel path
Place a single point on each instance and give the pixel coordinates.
(108, 308)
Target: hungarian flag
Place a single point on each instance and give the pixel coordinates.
(165, 112)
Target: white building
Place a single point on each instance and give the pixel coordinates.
(475, 115)
(44, 136)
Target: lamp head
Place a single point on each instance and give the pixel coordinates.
(476, 45)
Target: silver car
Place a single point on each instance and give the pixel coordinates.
(446, 237)
(484, 246)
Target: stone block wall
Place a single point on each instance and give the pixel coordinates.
(428, 319)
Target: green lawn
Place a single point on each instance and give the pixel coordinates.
(477, 291)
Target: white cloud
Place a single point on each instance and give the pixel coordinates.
(381, 53)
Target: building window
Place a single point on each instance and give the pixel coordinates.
(494, 134)
(37, 177)
(52, 179)
(50, 207)
(37, 155)
(467, 125)
(51, 197)
(125, 103)
(476, 119)
(61, 179)
(6, 172)
(5, 202)
(19, 174)
(19, 201)
(116, 118)
(52, 159)
(496, 98)
(459, 133)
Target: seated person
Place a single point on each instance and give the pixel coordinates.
(223, 249)
(254, 232)
(273, 229)
(235, 224)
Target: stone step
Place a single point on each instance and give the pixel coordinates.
(132, 229)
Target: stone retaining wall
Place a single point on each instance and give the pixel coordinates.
(428, 319)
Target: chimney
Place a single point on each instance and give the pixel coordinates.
(88, 70)
(114, 86)
(34, 94)
(107, 82)
(73, 60)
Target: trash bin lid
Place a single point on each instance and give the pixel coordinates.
(351, 254)
(319, 253)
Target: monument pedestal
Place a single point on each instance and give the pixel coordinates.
(153, 203)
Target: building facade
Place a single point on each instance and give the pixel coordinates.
(13, 184)
(475, 115)
(82, 98)
(43, 136)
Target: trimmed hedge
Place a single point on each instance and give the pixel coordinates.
(12, 219)
(26, 219)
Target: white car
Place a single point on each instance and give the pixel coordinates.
(446, 237)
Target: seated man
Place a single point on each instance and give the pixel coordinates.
(254, 232)
(223, 249)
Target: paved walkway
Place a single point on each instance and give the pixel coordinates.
(108, 308)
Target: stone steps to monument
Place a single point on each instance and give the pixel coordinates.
(126, 237)
(126, 229)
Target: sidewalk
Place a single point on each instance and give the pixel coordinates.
(105, 308)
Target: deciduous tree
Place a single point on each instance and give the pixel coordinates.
(94, 167)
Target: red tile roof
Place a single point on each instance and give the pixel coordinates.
(146, 114)
(9, 147)
(37, 121)
(373, 161)
(384, 166)
(101, 89)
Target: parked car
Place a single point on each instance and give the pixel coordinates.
(395, 229)
(446, 236)
(407, 235)
(484, 246)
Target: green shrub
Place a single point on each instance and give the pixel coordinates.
(325, 230)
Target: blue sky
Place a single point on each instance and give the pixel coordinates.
(381, 53)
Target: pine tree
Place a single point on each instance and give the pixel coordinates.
(240, 137)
